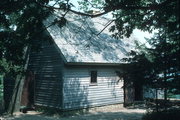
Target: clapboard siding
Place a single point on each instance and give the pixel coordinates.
(83, 104)
(47, 65)
(91, 88)
(79, 93)
(93, 98)
(103, 84)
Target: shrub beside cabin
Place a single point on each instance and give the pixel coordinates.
(76, 68)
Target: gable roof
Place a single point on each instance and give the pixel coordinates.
(79, 43)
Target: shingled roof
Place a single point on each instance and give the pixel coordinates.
(78, 40)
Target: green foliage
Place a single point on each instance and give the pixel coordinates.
(21, 23)
(157, 67)
(88, 5)
(140, 14)
(140, 68)
(146, 15)
(166, 50)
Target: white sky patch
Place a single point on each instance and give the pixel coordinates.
(14, 27)
(141, 35)
(75, 3)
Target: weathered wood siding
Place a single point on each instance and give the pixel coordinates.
(47, 65)
(79, 93)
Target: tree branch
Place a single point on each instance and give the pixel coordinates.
(105, 27)
(113, 8)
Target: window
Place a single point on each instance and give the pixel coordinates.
(93, 77)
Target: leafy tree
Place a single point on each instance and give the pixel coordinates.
(166, 62)
(145, 15)
(21, 20)
(20, 23)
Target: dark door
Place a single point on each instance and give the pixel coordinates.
(27, 99)
(138, 92)
(128, 93)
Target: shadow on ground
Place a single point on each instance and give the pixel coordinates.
(125, 114)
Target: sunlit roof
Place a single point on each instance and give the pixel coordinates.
(78, 40)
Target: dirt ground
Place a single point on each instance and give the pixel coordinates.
(114, 112)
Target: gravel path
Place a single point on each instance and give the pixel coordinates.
(114, 112)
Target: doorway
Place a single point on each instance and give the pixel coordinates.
(27, 98)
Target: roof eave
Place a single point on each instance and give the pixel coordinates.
(95, 64)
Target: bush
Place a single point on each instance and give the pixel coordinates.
(164, 115)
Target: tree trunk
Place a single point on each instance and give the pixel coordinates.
(17, 92)
(16, 97)
(165, 89)
(157, 106)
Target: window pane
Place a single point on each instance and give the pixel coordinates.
(93, 76)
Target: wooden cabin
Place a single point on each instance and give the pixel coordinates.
(76, 68)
